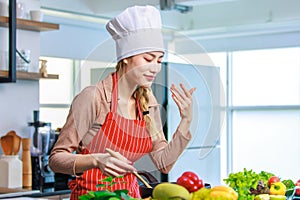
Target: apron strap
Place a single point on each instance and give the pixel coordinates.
(114, 100)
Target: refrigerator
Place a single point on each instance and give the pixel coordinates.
(202, 155)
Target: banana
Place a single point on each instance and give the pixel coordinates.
(167, 191)
(224, 191)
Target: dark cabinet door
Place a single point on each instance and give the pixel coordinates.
(12, 44)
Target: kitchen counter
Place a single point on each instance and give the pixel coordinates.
(15, 192)
(47, 194)
(26, 198)
(30, 194)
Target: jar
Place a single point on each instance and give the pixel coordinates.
(11, 171)
(20, 10)
(23, 60)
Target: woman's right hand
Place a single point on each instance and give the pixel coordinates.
(111, 166)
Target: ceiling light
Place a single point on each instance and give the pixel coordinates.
(202, 2)
(171, 5)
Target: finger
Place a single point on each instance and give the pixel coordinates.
(118, 156)
(110, 172)
(176, 92)
(186, 92)
(182, 99)
(119, 166)
(123, 166)
(191, 91)
(176, 101)
(122, 158)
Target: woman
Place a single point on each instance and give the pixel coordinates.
(121, 113)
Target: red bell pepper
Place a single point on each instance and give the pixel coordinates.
(190, 181)
(298, 189)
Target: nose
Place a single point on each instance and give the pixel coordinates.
(155, 68)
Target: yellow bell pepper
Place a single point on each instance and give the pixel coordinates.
(277, 188)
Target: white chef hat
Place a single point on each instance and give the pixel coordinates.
(136, 30)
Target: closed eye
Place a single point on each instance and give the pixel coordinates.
(149, 57)
(159, 60)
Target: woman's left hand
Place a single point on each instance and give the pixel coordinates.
(184, 100)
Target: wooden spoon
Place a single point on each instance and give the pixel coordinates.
(7, 144)
(16, 142)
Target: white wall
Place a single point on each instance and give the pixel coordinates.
(18, 100)
(73, 40)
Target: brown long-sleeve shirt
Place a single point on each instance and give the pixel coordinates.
(86, 116)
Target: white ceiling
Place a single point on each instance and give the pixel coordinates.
(218, 25)
(205, 14)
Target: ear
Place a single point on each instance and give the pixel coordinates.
(125, 61)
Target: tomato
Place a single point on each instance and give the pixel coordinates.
(273, 179)
(298, 189)
(190, 181)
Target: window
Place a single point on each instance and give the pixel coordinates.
(266, 77)
(265, 111)
(262, 126)
(56, 95)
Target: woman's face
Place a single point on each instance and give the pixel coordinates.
(141, 69)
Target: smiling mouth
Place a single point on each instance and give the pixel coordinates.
(149, 77)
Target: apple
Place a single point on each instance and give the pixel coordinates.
(273, 179)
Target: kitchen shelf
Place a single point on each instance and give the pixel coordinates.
(30, 25)
(29, 75)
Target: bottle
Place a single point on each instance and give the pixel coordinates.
(26, 159)
(43, 69)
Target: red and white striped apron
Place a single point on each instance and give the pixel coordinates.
(129, 137)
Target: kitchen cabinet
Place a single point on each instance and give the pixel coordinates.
(28, 25)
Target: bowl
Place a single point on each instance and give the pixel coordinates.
(147, 192)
